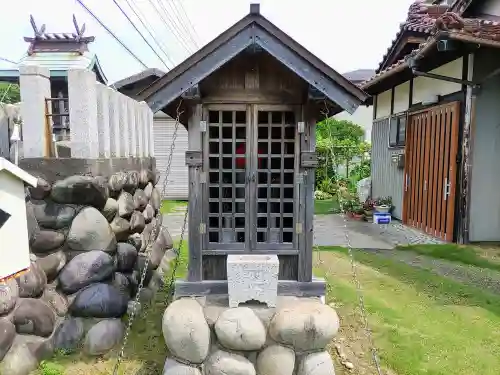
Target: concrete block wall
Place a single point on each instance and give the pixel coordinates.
(103, 122)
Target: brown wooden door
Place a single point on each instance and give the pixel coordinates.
(430, 170)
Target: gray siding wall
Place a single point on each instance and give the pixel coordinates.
(163, 129)
(485, 181)
(387, 179)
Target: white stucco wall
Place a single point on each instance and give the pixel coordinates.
(362, 117)
(423, 89)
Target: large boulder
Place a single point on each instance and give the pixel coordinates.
(91, 231)
(9, 293)
(140, 200)
(137, 222)
(41, 190)
(145, 176)
(44, 241)
(103, 336)
(32, 282)
(140, 265)
(186, 331)
(51, 263)
(148, 213)
(110, 209)
(80, 190)
(316, 364)
(56, 300)
(99, 301)
(121, 282)
(240, 329)
(155, 199)
(220, 362)
(34, 317)
(121, 228)
(117, 181)
(163, 243)
(126, 256)
(85, 269)
(148, 190)
(276, 359)
(53, 215)
(69, 334)
(33, 227)
(132, 182)
(172, 367)
(135, 240)
(7, 335)
(20, 360)
(305, 326)
(125, 204)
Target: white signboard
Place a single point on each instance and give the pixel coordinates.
(14, 241)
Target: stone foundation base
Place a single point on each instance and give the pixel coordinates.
(204, 335)
(89, 240)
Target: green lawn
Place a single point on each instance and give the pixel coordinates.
(321, 207)
(422, 323)
(326, 207)
(172, 206)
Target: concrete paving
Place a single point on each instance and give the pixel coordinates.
(334, 230)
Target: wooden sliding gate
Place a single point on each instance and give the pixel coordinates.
(430, 170)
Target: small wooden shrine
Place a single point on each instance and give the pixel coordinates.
(250, 100)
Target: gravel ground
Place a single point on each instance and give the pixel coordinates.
(467, 274)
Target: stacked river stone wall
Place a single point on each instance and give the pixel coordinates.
(204, 336)
(88, 238)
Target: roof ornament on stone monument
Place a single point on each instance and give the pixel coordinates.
(58, 42)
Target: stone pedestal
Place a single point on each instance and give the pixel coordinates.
(204, 335)
(252, 277)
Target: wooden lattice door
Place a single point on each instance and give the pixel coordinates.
(275, 146)
(250, 163)
(430, 170)
(227, 167)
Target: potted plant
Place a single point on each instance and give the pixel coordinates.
(383, 205)
(368, 207)
(349, 206)
(358, 213)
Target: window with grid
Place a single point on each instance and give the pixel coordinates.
(275, 176)
(227, 163)
(397, 131)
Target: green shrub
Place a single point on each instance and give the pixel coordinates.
(51, 368)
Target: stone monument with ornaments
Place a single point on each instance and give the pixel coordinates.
(251, 330)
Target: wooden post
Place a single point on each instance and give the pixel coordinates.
(195, 197)
(465, 166)
(307, 144)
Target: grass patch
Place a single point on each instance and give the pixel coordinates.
(145, 352)
(483, 257)
(326, 207)
(168, 206)
(422, 323)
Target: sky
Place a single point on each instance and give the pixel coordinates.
(347, 35)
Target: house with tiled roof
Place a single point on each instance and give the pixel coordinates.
(436, 120)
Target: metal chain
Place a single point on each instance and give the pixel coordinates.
(357, 283)
(152, 237)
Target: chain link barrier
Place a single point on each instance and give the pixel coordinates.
(357, 283)
(151, 239)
